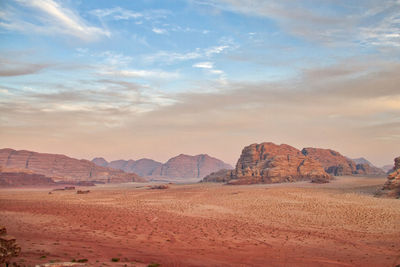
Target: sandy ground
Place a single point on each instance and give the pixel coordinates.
(299, 224)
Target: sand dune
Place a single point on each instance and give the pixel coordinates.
(298, 224)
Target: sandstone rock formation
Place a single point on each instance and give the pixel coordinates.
(270, 163)
(8, 247)
(221, 176)
(62, 168)
(23, 179)
(182, 166)
(332, 161)
(185, 166)
(336, 164)
(392, 186)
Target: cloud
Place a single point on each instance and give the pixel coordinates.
(141, 73)
(51, 18)
(204, 65)
(372, 22)
(170, 57)
(116, 13)
(9, 68)
(159, 31)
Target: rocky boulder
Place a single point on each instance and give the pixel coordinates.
(391, 188)
(221, 176)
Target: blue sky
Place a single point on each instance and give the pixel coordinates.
(128, 79)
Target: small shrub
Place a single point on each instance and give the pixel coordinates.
(115, 259)
(154, 265)
(82, 260)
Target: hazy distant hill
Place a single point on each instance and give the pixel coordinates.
(362, 161)
(181, 166)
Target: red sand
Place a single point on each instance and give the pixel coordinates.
(301, 224)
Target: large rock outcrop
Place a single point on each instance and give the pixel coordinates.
(62, 168)
(182, 166)
(271, 163)
(336, 164)
(392, 186)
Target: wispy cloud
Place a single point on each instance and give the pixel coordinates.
(15, 68)
(373, 23)
(158, 74)
(159, 31)
(204, 65)
(116, 13)
(51, 18)
(170, 57)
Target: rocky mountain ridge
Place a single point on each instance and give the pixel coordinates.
(181, 166)
(336, 164)
(62, 168)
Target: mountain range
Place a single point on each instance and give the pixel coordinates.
(181, 166)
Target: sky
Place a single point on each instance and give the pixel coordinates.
(146, 78)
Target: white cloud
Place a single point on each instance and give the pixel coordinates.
(172, 57)
(159, 31)
(117, 13)
(204, 65)
(219, 72)
(141, 73)
(215, 50)
(52, 19)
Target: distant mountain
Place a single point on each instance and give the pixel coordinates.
(181, 166)
(100, 161)
(362, 161)
(59, 168)
(387, 168)
(185, 166)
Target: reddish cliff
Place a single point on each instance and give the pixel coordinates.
(270, 163)
(332, 161)
(62, 168)
(338, 165)
(392, 186)
(23, 179)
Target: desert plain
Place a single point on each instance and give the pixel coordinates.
(205, 224)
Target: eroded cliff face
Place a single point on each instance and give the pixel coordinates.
(332, 161)
(391, 188)
(62, 168)
(336, 164)
(271, 163)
